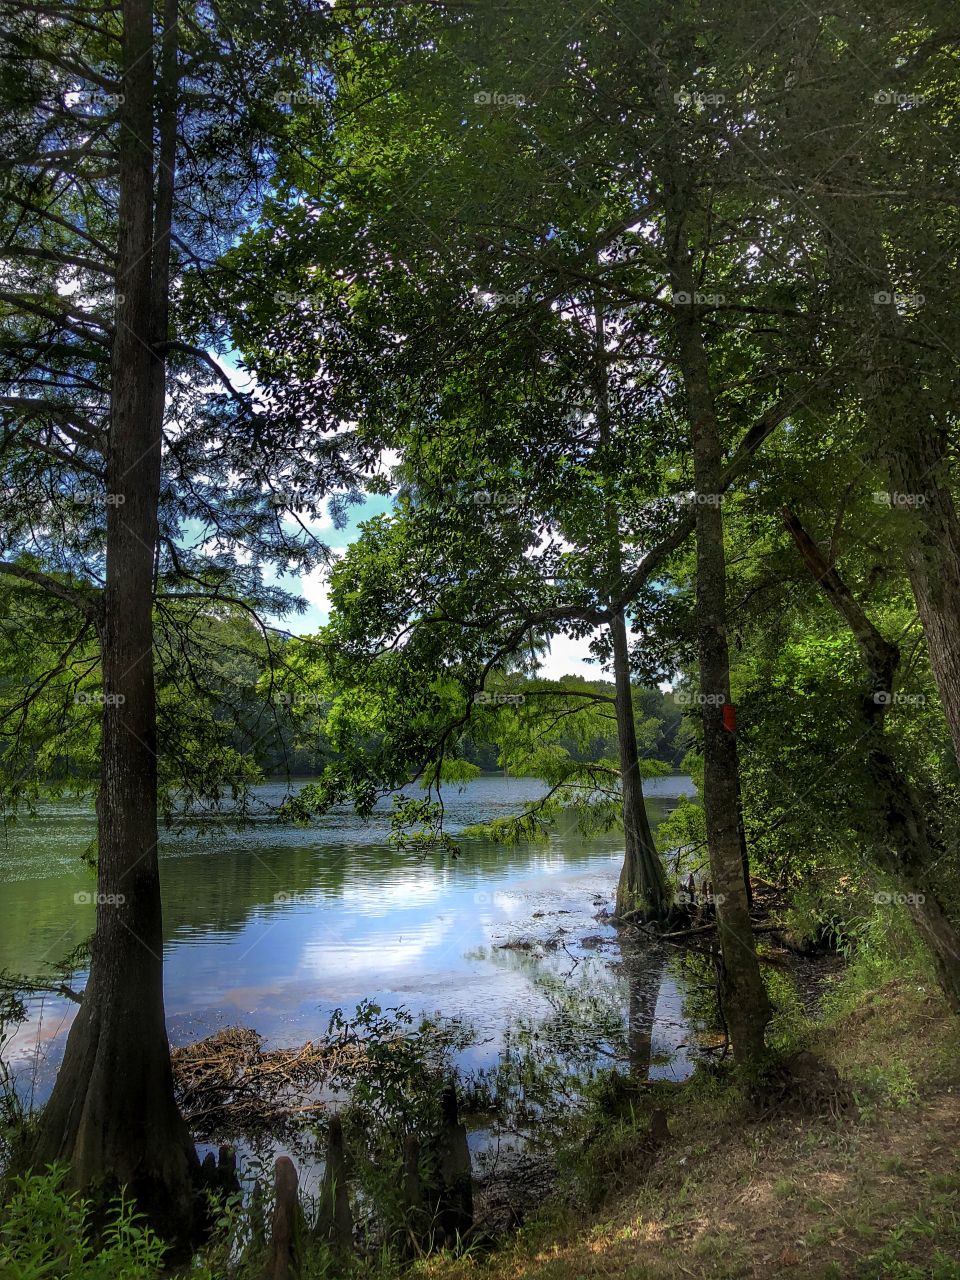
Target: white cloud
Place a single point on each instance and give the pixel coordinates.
(569, 657)
(315, 589)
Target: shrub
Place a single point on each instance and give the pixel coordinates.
(46, 1235)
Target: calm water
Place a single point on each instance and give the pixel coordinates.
(274, 927)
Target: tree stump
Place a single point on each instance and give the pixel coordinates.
(414, 1195)
(258, 1217)
(334, 1220)
(455, 1208)
(659, 1130)
(285, 1257)
(228, 1180)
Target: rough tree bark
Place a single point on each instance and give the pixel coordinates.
(112, 1116)
(893, 822)
(745, 1004)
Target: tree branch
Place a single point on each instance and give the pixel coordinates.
(88, 605)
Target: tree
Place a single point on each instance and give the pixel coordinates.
(873, 196)
(906, 847)
(132, 148)
(602, 240)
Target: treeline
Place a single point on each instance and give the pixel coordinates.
(663, 734)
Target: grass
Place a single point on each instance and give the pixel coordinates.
(867, 1192)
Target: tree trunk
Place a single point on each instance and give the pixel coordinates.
(112, 1115)
(908, 856)
(643, 880)
(745, 1004)
(915, 455)
(912, 445)
(893, 822)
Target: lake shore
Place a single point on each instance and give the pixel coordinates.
(810, 1188)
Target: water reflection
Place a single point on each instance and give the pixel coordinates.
(273, 927)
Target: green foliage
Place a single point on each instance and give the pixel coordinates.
(887, 948)
(45, 1234)
(684, 830)
(393, 1069)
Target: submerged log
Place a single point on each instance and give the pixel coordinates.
(334, 1220)
(285, 1257)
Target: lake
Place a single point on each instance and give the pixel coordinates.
(273, 927)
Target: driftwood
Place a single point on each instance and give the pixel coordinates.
(334, 1219)
(285, 1257)
(228, 1084)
